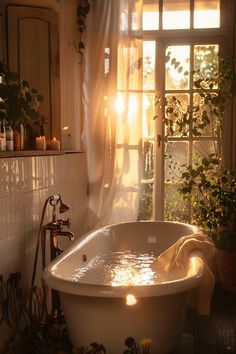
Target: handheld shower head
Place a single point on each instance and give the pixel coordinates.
(54, 200)
(63, 207)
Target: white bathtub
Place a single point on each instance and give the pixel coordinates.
(97, 310)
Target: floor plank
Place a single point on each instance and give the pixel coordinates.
(214, 334)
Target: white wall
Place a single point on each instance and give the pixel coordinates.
(26, 182)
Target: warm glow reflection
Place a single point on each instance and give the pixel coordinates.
(146, 102)
(118, 268)
(131, 300)
(119, 105)
(129, 276)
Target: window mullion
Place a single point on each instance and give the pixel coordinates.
(190, 157)
(160, 14)
(158, 188)
(191, 13)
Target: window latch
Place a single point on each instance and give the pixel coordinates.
(159, 139)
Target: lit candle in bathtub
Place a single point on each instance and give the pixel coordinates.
(55, 144)
(40, 143)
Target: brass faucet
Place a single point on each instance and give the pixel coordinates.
(56, 229)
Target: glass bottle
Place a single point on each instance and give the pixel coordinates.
(9, 138)
(2, 136)
(22, 137)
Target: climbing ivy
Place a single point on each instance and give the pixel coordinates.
(82, 12)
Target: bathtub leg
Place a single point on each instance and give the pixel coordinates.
(56, 311)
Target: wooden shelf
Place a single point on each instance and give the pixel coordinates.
(27, 153)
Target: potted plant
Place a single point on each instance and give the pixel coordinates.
(19, 105)
(211, 192)
(207, 186)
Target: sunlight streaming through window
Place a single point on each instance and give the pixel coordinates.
(206, 14)
(176, 14)
(150, 16)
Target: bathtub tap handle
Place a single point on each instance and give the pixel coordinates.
(66, 222)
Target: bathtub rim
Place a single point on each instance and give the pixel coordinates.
(187, 282)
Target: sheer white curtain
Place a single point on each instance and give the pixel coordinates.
(112, 99)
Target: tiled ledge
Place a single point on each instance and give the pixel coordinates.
(25, 153)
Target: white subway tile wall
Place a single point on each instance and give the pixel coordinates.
(25, 184)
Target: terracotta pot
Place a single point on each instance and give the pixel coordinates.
(226, 263)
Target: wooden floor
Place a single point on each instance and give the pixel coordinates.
(214, 334)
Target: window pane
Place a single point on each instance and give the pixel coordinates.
(176, 155)
(176, 209)
(206, 60)
(145, 206)
(150, 15)
(176, 14)
(177, 67)
(177, 115)
(149, 48)
(148, 114)
(206, 13)
(205, 122)
(203, 148)
(148, 159)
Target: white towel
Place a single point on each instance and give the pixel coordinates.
(176, 258)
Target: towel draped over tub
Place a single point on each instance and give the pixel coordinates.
(176, 260)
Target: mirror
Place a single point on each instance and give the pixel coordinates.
(1, 38)
(33, 52)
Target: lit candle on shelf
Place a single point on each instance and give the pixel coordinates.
(40, 143)
(55, 144)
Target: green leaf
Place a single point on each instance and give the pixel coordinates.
(40, 98)
(25, 83)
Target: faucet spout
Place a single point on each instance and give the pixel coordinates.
(68, 234)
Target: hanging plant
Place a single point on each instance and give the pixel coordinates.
(82, 12)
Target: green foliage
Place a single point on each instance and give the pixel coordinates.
(82, 12)
(209, 104)
(211, 192)
(207, 187)
(137, 348)
(18, 103)
(145, 205)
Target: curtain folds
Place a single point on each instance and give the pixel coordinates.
(112, 99)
